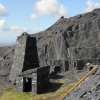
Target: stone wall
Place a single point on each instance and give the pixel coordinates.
(18, 61)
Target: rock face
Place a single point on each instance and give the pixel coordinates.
(81, 32)
(6, 60)
(90, 90)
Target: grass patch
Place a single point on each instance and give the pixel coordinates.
(11, 94)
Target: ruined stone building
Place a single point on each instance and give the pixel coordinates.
(25, 72)
(30, 54)
(25, 56)
(67, 45)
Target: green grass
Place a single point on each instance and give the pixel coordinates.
(11, 94)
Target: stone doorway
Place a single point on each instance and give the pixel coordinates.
(27, 84)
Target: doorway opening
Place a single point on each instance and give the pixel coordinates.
(27, 84)
(57, 69)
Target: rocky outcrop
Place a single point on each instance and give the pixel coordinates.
(6, 60)
(90, 90)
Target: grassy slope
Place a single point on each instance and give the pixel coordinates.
(11, 94)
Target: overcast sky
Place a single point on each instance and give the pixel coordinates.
(17, 16)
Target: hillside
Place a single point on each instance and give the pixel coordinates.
(6, 60)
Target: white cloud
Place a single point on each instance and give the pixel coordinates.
(3, 10)
(49, 7)
(16, 30)
(91, 5)
(2, 24)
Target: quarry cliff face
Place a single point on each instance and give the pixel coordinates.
(80, 31)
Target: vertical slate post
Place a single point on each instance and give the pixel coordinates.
(19, 84)
(34, 83)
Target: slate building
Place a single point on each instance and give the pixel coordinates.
(25, 72)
